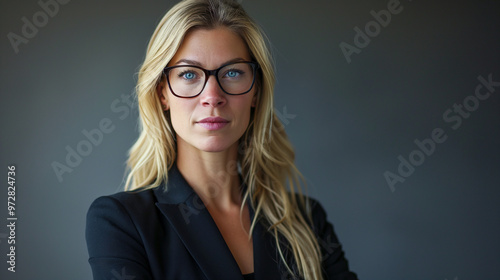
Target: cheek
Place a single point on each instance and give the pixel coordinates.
(244, 109)
(180, 114)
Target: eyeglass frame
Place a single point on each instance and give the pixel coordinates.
(208, 73)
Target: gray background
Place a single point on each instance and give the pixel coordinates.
(349, 123)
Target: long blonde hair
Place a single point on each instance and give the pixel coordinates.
(266, 157)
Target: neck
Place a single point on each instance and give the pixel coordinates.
(212, 175)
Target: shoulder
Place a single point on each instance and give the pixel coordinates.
(317, 218)
(118, 217)
(120, 208)
(318, 213)
(311, 209)
(333, 261)
(136, 200)
(117, 227)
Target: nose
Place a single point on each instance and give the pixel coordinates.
(212, 95)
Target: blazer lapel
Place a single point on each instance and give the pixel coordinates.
(192, 222)
(265, 256)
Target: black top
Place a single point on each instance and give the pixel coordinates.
(249, 276)
(167, 233)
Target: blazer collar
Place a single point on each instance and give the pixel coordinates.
(192, 222)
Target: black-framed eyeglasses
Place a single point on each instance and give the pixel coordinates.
(188, 81)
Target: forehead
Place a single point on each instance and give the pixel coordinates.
(211, 47)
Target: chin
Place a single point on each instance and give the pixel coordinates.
(210, 144)
(215, 145)
(214, 148)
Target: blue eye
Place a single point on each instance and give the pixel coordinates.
(232, 74)
(188, 75)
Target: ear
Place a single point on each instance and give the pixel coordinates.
(162, 93)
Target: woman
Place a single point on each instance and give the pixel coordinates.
(207, 190)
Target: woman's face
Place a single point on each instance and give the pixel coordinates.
(229, 115)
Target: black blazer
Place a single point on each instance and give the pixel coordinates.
(153, 234)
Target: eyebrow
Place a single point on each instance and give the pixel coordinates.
(196, 63)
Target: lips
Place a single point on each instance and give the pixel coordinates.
(213, 123)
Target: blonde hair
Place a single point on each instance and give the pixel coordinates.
(266, 156)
